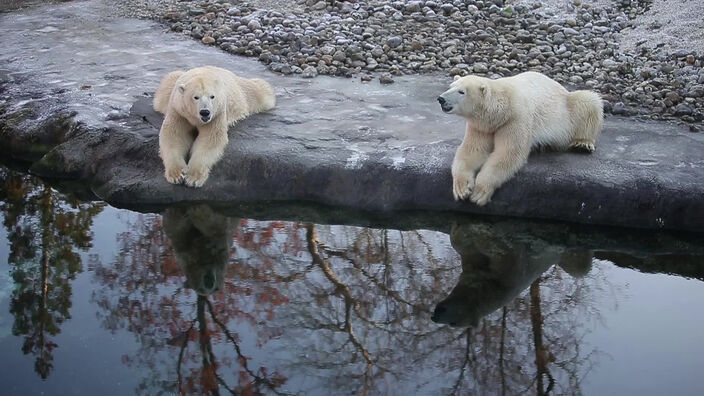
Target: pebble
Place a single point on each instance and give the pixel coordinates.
(480, 68)
(386, 79)
(394, 41)
(309, 72)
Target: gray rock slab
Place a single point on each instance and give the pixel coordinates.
(75, 102)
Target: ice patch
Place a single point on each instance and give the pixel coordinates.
(48, 29)
(356, 159)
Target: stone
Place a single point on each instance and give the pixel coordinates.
(386, 79)
(619, 109)
(394, 41)
(480, 68)
(683, 109)
(309, 72)
(413, 6)
(254, 25)
(196, 11)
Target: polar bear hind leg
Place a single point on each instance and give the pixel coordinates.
(587, 118)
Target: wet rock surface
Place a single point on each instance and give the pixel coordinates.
(75, 103)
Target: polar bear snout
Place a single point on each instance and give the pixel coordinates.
(444, 105)
(204, 115)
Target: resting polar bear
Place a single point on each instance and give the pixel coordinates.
(209, 99)
(509, 116)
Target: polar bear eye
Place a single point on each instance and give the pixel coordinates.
(196, 98)
(461, 92)
(212, 96)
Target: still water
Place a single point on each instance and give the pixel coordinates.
(193, 300)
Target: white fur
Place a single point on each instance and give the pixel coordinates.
(181, 97)
(509, 116)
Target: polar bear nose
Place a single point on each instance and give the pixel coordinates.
(441, 100)
(204, 113)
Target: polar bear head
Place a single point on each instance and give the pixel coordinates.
(483, 102)
(201, 98)
(466, 97)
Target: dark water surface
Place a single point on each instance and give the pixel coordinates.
(99, 300)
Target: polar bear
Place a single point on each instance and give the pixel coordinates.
(207, 99)
(506, 118)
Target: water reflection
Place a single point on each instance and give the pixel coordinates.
(497, 267)
(46, 230)
(310, 308)
(201, 241)
(232, 305)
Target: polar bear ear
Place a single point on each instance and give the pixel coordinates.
(457, 77)
(483, 88)
(182, 88)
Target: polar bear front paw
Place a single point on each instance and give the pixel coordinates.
(196, 176)
(175, 175)
(582, 146)
(482, 194)
(462, 186)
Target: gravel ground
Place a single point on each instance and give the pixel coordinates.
(580, 43)
(669, 26)
(14, 5)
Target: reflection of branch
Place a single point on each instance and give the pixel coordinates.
(350, 302)
(456, 388)
(391, 293)
(501, 352)
(243, 360)
(180, 356)
(206, 348)
(431, 257)
(541, 355)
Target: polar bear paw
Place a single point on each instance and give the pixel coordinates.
(482, 194)
(196, 176)
(175, 175)
(582, 146)
(462, 186)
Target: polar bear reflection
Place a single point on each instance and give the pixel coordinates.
(201, 240)
(498, 263)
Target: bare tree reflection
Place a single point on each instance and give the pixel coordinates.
(499, 262)
(167, 317)
(46, 229)
(316, 309)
